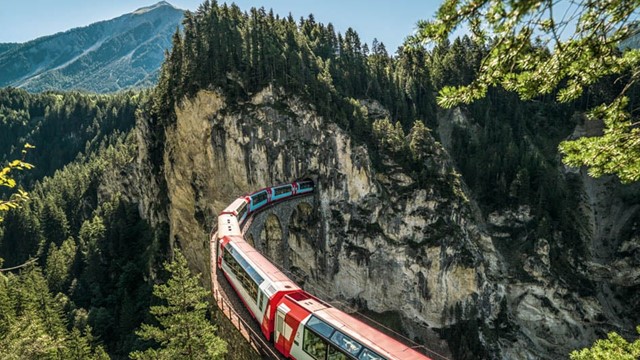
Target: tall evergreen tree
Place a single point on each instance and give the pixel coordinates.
(32, 324)
(184, 331)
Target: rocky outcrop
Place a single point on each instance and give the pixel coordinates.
(379, 242)
(562, 292)
(417, 253)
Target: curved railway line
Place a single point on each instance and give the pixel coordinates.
(231, 307)
(275, 316)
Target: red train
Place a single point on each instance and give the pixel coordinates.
(300, 325)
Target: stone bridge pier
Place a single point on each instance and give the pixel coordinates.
(279, 231)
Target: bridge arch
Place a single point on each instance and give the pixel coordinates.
(271, 239)
(289, 234)
(270, 228)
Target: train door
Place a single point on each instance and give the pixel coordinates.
(282, 331)
(220, 253)
(263, 301)
(277, 338)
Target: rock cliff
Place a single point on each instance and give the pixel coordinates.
(417, 253)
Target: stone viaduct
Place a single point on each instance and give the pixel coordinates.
(269, 230)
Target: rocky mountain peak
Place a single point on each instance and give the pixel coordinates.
(107, 56)
(146, 9)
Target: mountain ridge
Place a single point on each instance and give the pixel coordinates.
(106, 56)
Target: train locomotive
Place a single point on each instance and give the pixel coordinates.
(300, 325)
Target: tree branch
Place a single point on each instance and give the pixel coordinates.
(19, 266)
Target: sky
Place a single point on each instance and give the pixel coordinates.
(387, 20)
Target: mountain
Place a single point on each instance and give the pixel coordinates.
(125, 52)
(7, 46)
(464, 229)
(458, 228)
(632, 42)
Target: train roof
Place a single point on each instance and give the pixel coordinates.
(234, 205)
(278, 280)
(356, 329)
(367, 335)
(228, 225)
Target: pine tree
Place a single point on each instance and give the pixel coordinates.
(59, 262)
(419, 140)
(32, 325)
(79, 347)
(184, 331)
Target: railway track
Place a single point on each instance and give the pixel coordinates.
(327, 329)
(231, 306)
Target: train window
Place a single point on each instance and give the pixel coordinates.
(369, 355)
(305, 185)
(335, 354)
(282, 190)
(248, 277)
(248, 268)
(320, 327)
(314, 345)
(241, 210)
(259, 197)
(346, 343)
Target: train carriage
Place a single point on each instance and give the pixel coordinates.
(228, 225)
(304, 186)
(309, 329)
(238, 208)
(258, 283)
(281, 192)
(258, 199)
(301, 326)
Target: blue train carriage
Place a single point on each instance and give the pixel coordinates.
(304, 186)
(281, 191)
(258, 200)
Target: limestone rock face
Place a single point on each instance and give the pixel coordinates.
(416, 252)
(563, 292)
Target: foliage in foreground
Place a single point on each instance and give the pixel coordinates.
(184, 331)
(614, 347)
(7, 180)
(518, 35)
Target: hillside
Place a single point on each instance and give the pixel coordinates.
(4, 47)
(122, 53)
(632, 42)
(460, 229)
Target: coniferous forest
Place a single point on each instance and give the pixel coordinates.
(80, 239)
(93, 260)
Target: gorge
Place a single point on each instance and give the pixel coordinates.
(459, 228)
